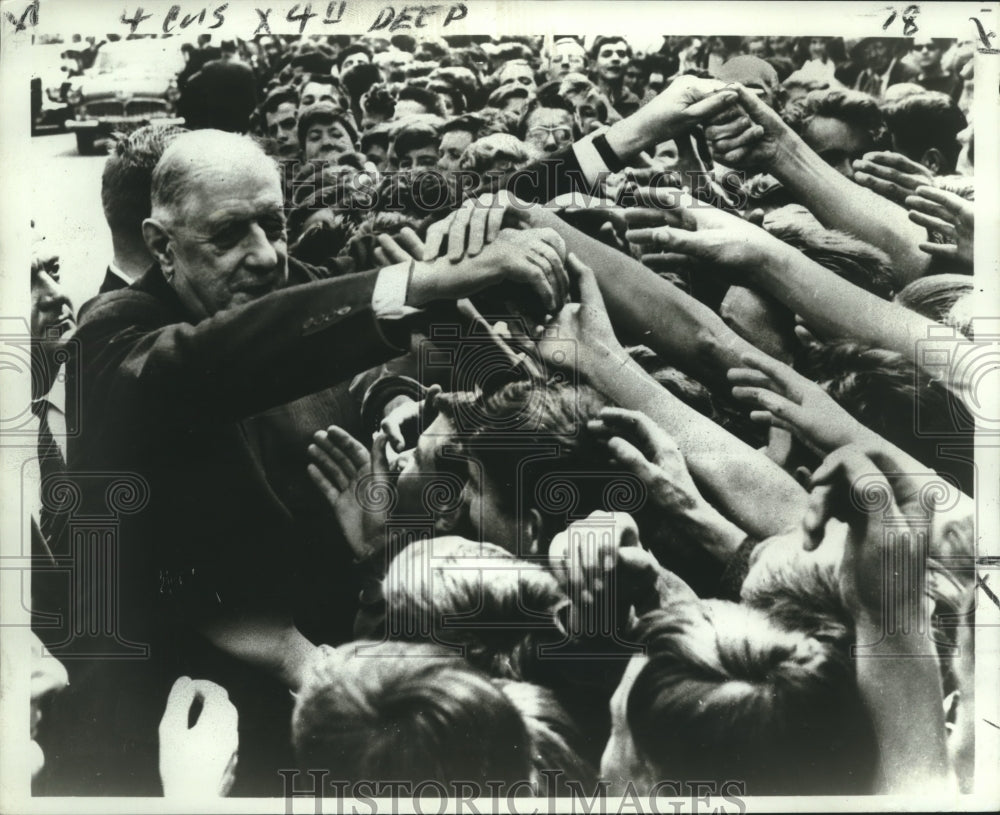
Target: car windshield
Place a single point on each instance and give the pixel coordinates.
(139, 57)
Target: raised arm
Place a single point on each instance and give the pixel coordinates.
(745, 486)
(835, 200)
(897, 666)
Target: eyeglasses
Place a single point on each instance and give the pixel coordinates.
(926, 46)
(560, 134)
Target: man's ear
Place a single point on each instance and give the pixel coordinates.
(158, 243)
(933, 160)
(951, 703)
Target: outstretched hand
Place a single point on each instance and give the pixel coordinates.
(782, 397)
(891, 175)
(951, 216)
(198, 759)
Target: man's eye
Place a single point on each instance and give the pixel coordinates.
(229, 236)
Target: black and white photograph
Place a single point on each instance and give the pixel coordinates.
(525, 406)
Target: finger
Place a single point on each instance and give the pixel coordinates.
(897, 161)
(806, 337)
(459, 230)
(380, 457)
(933, 224)
(381, 259)
(355, 450)
(927, 207)
(552, 265)
(819, 509)
(909, 181)
(631, 457)
(494, 222)
(641, 217)
(729, 129)
(945, 251)
(590, 292)
(332, 445)
(727, 114)
(409, 240)
(710, 106)
(681, 241)
(747, 138)
(326, 488)
(645, 236)
(477, 224)
(661, 262)
(552, 238)
(786, 377)
(749, 377)
(886, 189)
(181, 693)
(393, 430)
(948, 200)
(435, 236)
(663, 199)
(393, 251)
(329, 467)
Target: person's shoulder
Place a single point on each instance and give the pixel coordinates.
(138, 304)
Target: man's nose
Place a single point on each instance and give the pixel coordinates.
(261, 253)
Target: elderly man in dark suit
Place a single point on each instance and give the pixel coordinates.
(178, 371)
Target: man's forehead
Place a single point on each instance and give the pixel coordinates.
(241, 190)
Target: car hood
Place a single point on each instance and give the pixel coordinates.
(111, 85)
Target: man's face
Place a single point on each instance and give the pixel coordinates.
(392, 64)
(360, 58)
(837, 142)
(588, 116)
(568, 58)
(281, 127)
(514, 104)
(517, 73)
(313, 92)
(418, 466)
(548, 129)
(878, 55)
(926, 53)
(452, 146)
(51, 311)
(780, 46)
(612, 60)
(378, 155)
(227, 237)
(326, 142)
(419, 158)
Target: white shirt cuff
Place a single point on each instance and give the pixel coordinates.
(389, 295)
(591, 163)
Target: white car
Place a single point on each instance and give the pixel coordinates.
(131, 83)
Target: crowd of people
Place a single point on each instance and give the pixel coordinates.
(529, 412)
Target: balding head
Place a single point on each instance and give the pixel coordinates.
(200, 153)
(217, 229)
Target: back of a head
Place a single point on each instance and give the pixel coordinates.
(854, 107)
(406, 712)
(127, 179)
(202, 150)
(556, 743)
(476, 597)
(726, 694)
(926, 121)
(935, 296)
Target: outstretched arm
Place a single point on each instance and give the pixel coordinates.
(746, 487)
(835, 200)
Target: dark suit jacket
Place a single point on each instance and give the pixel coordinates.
(111, 282)
(193, 410)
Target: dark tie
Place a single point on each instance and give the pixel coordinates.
(50, 465)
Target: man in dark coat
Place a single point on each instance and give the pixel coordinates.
(218, 556)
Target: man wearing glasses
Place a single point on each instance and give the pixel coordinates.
(927, 54)
(549, 124)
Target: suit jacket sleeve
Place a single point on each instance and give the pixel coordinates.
(241, 361)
